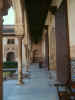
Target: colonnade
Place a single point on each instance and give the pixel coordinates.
(52, 48)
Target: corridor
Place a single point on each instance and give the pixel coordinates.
(35, 88)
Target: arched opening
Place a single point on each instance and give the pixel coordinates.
(35, 56)
(10, 56)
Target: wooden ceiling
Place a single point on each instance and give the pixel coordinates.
(37, 11)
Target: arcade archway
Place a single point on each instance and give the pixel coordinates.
(10, 56)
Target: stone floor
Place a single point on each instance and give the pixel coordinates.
(35, 88)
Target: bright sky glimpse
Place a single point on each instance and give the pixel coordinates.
(10, 18)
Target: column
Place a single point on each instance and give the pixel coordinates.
(26, 58)
(20, 81)
(52, 42)
(62, 45)
(50, 47)
(1, 57)
(49, 43)
(27, 66)
(53, 49)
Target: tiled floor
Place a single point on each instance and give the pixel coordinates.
(35, 88)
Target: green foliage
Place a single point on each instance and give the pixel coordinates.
(10, 64)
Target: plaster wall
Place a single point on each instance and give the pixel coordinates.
(71, 20)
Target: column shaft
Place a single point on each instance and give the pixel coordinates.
(20, 61)
(27, 67)
(52, 42)
(1, 73)
(26, 58)
(1, 58)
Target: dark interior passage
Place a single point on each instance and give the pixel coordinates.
(11, 56)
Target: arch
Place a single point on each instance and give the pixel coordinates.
(35, 55)
(10, 56)
(19, 17)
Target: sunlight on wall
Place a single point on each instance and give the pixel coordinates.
(71, 12)
(10, 18)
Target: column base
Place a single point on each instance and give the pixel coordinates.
(27, 68)
(20, 83)
(52, 67)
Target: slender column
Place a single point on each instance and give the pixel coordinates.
(1, 57)
(53, 49)
(49, 35)
(26, 58)
(20, 81)
(43, 47)
(27, 66)
(52, 42)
